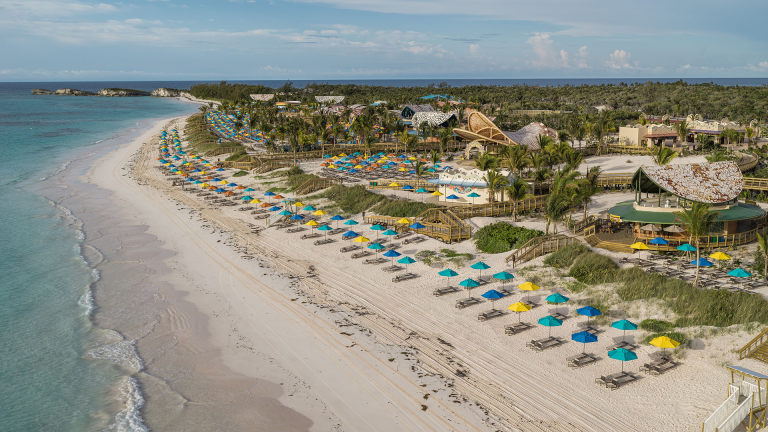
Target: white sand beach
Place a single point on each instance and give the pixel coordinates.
(339, 344)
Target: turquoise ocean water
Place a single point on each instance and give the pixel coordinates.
(50, 380)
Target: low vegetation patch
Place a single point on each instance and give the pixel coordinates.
(592, 269)
(565, 256)
(356, 199)
(240, 174)
(237, 155)
(502, 237)
(656, 326)
(693, 306)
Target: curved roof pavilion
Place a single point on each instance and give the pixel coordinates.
(660, 191)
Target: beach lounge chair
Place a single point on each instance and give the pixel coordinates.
(604, 380)
(295, 230)
(349, 248)
(336, 231)
(580, 360)
(445, 290)
(261, 216)
(622, 344)
(559, 316)
(663, 367)
(513, 329)
(461, 304)
(543, 344)
(413, 240)
(493, 313)
(311, 236)
(654, 364)
(402, 277)
(621, 381)
(361, 254)
(378, 260)
(324, 241)
(403, 235)
(392, 268)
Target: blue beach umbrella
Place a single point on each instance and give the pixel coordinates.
(658, 241)
(492, 295)
(391, 254)
(276, 208)
(448, 273)
(221, 169)
(406, 260)
(350, 234)
(740, 273)
(550, 321)
(407, 187)
(325, 229)
(584, 337)
(337, 218)
(468, 284)
(702, 263)
(269, 194)
(480, 266)
(452, 197)
(416, 225)
(622, 355)
(503, 277)
(297, 217)
(624, 325)
(220, 190)
(589, 311)
(376, 246)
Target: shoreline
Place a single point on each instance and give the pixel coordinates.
(263, 314)
(348, 401)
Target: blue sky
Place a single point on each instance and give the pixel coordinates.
(49, 40)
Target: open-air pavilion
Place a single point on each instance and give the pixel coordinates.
(662, 191)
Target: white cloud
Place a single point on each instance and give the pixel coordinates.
(546, 54)
(583, 51)
(619, 59)
(473, 48)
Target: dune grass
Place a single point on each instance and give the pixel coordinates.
(565, 256)
(356, 199)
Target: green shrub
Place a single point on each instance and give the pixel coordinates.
(575, 287)
(565, 256)
(402, 208)
(297, 180)
(656, 326)
(503, 237)
(240, 174)
(592, 269)
(292, 171)
(693, 306)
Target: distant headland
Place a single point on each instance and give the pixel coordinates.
(110, 92)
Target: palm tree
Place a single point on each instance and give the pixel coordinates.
(697, 221)
(420, 168)
(561, 198)
(600, 129)
(588, 187)
(682, 129)
(575, 129)
(717, 156)
(543, 141)
(704, 140)
(487, 162)
(435, 157)
(573, 159)
(540, 171)
(495, 181)
(403, 137)
(662, 156)
(203, 109)
(762, 242)
(518, 190)
(749, 134)
(445, 135)
(517, 158)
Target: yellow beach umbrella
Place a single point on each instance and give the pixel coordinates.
(436, 193)
(394, 184)
(343, 155)
(519, 307)
(223, 182)
(319, 213)
(256, 201)
(298, 204)
(361, 239)
(720, 256)
(205, 185)
(203, 172)
(403, 169)
(529, 286)
(664, 342)
(639, 246)
(404, 221)
(311, 223)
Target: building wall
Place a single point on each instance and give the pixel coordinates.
(632, 135)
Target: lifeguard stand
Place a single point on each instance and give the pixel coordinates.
(746, 403)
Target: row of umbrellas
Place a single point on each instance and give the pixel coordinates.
(701, 262)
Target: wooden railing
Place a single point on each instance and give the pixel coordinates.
(752, 183)
(539, 246)
(715, 241)
(222, 150)
(443, 231)
(621, 148)
(754, 344)
(314, 185)
(578, 227)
